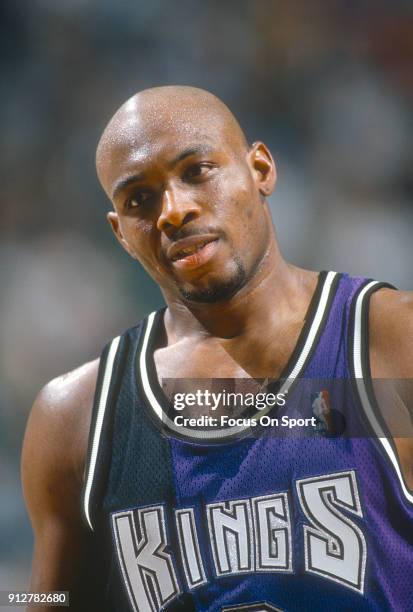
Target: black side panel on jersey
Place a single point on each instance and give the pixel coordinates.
(140, 468)
(96, 470)
(133, 467)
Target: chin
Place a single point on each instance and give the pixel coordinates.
(218, 290)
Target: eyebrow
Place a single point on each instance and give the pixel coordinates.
(195, 150)
(123, 183)
(135, 178)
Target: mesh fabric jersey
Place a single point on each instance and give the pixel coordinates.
(217, 520)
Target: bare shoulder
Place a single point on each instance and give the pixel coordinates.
(64, 407)
(53, 460)
(68, 399)
(55, 444)
(72, 386)
(391, 334)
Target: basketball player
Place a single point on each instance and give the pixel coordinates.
(152, 518)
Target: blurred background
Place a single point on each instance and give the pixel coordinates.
(328, 85)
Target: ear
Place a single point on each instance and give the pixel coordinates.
(263, 168)
(113, 220)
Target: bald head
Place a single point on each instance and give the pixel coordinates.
(151, 117)
(176, 166)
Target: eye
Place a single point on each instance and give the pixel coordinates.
(139, 198)
(198, 171)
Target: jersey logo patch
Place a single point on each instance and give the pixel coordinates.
(329, 422)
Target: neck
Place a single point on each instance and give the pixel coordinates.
(276, 290)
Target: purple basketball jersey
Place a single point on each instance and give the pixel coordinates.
(221, 519)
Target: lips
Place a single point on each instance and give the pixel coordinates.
(192, 252)
(189, 246)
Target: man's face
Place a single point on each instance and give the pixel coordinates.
(188, 207)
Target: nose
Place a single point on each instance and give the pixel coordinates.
(177, 209)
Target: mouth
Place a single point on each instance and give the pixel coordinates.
(192, 252)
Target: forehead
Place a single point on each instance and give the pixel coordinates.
(133, 145)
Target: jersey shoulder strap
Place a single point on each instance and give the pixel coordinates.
(110, 374)
(361, 374)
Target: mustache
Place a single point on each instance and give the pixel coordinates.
(184, 232)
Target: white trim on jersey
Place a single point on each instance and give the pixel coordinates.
(231, 431)
(98, 426)
(360, 375)
(153, 402)
(319, 315)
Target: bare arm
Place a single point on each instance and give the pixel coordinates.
(53, 460)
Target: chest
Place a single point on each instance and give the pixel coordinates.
(259, 356)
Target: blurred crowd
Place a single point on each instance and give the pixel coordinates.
(327, 85)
